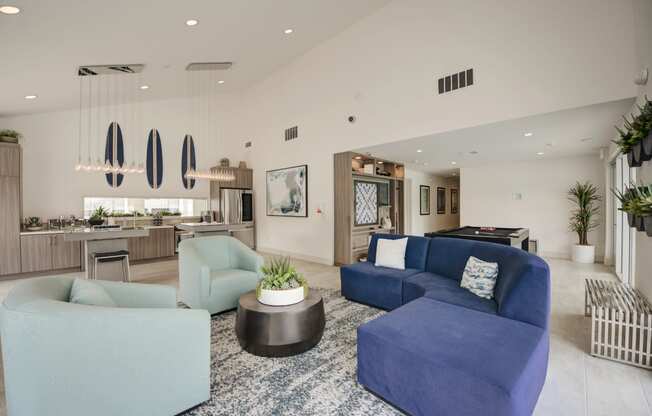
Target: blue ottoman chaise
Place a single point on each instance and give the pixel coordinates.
(443, 350)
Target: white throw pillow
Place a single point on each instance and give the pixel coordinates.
(479, 277)
(391, 253)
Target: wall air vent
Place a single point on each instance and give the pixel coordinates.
(455, 81)
(87, 70)
(291, 133)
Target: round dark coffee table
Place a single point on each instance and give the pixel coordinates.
(279, 331)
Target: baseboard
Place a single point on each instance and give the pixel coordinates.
(276, 252)
(565, 256)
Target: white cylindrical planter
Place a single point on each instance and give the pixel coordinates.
(583, 254)
(281, 297)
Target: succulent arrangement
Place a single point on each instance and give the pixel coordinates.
(583, 218)
(97, 217)
(279, 274)
(636, 202)
(636, 130)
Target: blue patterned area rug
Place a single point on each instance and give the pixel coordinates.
(321, 381)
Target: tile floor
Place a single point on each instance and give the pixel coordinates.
(577, 383)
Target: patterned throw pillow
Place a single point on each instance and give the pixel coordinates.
(479, 277)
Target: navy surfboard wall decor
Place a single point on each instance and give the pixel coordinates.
(114, 154)
(154, 159)
(188, 161)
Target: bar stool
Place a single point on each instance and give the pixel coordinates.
(108, 257)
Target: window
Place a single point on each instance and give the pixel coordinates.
(186, 207)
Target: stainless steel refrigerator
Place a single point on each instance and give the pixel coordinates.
(237, 209)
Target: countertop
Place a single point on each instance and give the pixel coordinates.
(71, 230)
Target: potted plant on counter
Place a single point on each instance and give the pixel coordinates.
(10, 136)
(281, 284)
(584, 219)
(97, 218)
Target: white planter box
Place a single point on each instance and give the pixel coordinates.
(583, 254)
(281, 297)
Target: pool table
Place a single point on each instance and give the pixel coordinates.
(515, 237)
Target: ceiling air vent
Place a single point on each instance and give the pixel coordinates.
(247, 145)
(209, 66)
(87, 70)
(455, 81)
(291, 133)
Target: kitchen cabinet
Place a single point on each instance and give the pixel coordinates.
(9, 225)
(159, 243)
(65, 254)
(10, 159)
(42, 252)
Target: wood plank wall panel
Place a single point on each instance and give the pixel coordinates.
(65, 254)
(9, 159)
(343, 207)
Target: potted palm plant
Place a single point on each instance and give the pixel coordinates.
(584, 219)
(281, 284)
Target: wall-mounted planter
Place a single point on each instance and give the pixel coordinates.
(646, 146)
(631, 219)
(647, 222)
(632, 159)
(639, 223)
(640, 153)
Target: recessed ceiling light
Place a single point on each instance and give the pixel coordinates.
(192, 22)
(528, 134)
(540, 153)
(453, 163)
(31, 97)
(380, 162)
(419, 150)
(220, 81)
(288, 31)
(144, 87)
(9, 9)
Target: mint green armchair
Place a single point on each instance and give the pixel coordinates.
(215, 271)
(144, 357)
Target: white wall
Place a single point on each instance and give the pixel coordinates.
(51, 186)
(529, 58)
(417, 224)
(489, 198)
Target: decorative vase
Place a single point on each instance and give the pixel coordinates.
(632, 161)
(8, 139)
(583, 254)
(281, 297)
(647, 222)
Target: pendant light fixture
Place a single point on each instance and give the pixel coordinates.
(108, 98)
(202, 78)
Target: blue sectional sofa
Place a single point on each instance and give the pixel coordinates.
(443, 350)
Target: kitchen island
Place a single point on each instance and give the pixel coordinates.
(104, 240)
(243, 232)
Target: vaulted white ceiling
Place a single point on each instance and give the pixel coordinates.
(574, 132)
(43, 45)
